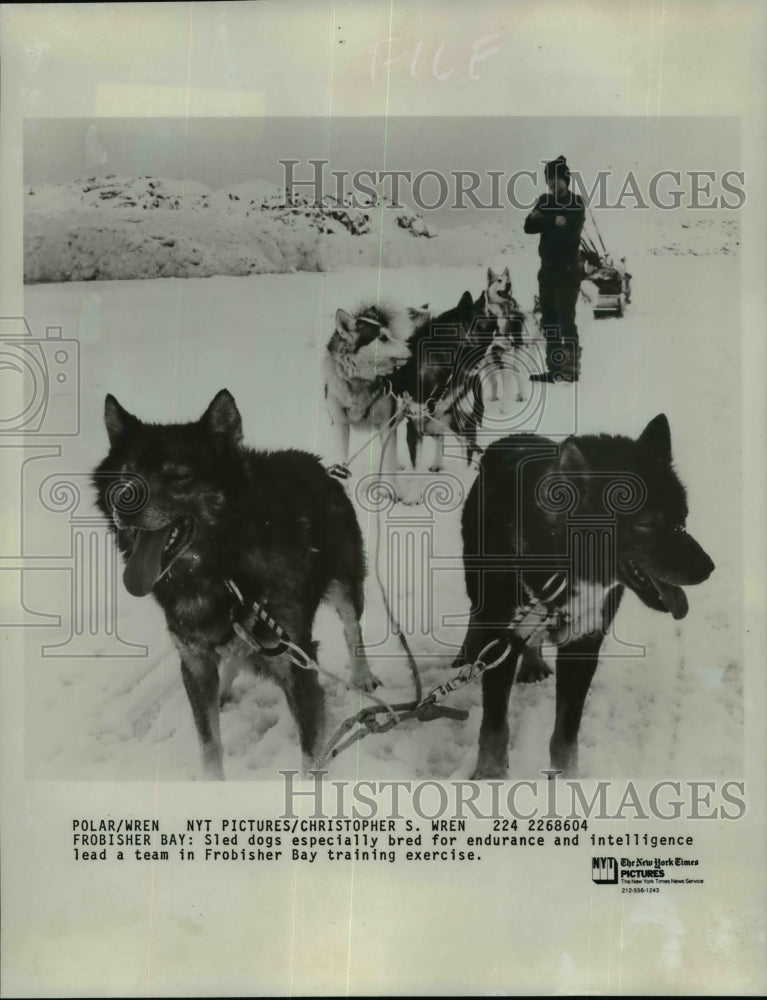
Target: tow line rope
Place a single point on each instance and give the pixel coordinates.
(530, 621)
(341, 470)
(258, 615)
(393, 623)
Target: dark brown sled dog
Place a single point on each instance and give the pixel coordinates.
(195, 511)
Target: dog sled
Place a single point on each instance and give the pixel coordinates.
(613, 285)
(612, 281)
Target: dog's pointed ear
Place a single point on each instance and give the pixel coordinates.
(571, 458)
(490, 275)
(418, 314)
(344, 323)
(222, 417)
(467, 302)
(117, 420)
(565, 487)
(657, 435)
(506, 272)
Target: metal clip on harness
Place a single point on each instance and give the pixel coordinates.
(530, 621)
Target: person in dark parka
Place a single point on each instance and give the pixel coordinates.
(558, 217)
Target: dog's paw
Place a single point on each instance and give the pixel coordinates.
(564, 758)
(531, 674)
(370, 684)
(532, 668)
(309, 764)
(364, 679)
(487, 769)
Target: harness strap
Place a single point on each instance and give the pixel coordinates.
(413, 667)
(517, 340)
(284, 645)
(428, 409)
(533, 616)
(258, 614)
(341, 470)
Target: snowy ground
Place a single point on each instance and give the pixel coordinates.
(165, 346)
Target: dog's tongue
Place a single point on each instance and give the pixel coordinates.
(144, 564)
(673, 597)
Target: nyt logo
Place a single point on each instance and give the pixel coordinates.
(604, 871)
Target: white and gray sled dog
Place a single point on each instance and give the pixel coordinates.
(504, 355)
(366, 347)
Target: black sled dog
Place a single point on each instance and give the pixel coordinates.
(604, 512)
(441, 383)
(207, 526)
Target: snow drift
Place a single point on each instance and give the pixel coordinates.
(104, 228)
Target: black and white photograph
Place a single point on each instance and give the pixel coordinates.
(412, 420)
(383, 493)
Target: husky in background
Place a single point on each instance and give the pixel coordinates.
(366, 348)
(208, 526)
(508, 343)
(522, 517)
(440, 387)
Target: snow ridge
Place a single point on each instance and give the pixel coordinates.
(110, 227)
